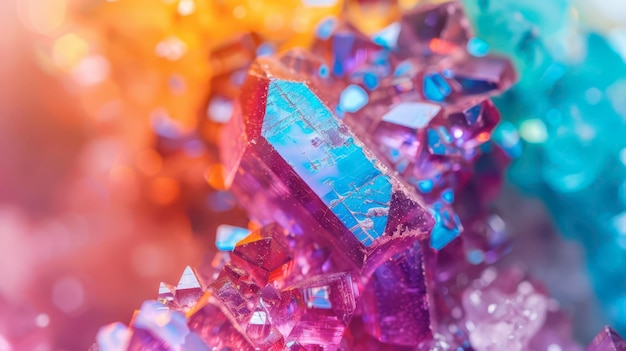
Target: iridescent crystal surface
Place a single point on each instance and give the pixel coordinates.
(367, 166)
(288, 156)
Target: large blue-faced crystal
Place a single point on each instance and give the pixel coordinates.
(302, 161)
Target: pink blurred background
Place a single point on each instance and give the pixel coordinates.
(83, 236)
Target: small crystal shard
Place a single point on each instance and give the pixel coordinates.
(166, 293)
(189, 288)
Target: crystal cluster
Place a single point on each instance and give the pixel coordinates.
(569, 110)
(366, 166)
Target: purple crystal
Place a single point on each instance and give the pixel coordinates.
(465, 79)
(347, 50)
(295, 153)
(167, 326)
(114, 337)
(323, 306)
(363, 162)
(607, 340)
(396, 306)
(434, 30)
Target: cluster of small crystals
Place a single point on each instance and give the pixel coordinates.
(569, 110)
(362, 161)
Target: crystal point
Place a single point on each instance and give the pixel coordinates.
(607, 340)
(189, 288)
(166, 293)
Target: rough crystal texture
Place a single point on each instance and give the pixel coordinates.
(504, 321)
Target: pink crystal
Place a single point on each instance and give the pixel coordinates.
(464, 79)
(215, 328)
(166, 294)
(113, 337)
(189, 288)
(505, 314)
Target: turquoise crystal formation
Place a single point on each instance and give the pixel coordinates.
(569, 110)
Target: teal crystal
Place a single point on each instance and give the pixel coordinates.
(569, 108)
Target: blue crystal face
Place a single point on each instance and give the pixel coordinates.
(228, 236)
(318, 297)
(447, 227)
(304, 132)
(436, 88)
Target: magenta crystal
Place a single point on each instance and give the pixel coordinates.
(396, 305)
(607, 340)
(322, 307)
